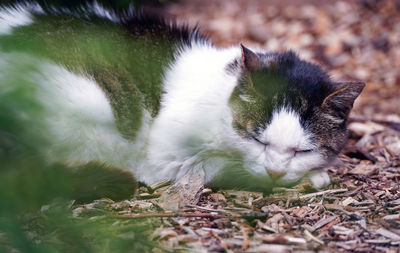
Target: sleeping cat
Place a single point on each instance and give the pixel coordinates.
(159, 99)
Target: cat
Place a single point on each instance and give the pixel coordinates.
(137, 92)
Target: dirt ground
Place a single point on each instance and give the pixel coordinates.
(359, 211)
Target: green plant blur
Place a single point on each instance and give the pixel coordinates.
(36, 211)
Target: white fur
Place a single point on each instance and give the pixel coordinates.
(320, 179)
(19, 15)
(23, 14)
(194, 113)
(284, 134)
(80, 119)
(195, 118)
(100, 11)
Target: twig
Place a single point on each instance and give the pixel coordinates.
(246, 241)
(165, 214)
(207, 209)
(307, 196)
(322, 222)
(311, 237)
(391, 124)
(248, 215)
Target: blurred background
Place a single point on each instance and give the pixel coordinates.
(352, 40)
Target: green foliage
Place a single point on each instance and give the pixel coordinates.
(234, 176)
(106, 52)
(28, 181)
(55, 229)
(95, 180)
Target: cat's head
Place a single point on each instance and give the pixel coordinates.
(290, 116)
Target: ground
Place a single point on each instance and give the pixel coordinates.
(359, 211)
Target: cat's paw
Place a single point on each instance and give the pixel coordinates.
(320, 179)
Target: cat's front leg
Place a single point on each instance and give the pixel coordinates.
(320, 179)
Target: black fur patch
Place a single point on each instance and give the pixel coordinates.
(305, 82)
(141, 23)
(137, 21)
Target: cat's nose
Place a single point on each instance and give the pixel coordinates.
(276, 174)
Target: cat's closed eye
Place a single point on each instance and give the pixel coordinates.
(257, 139)
(301, 151)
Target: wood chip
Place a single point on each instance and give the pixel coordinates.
(272, 248)
(364, 169)
(392, 217)
(322, 222)
(388, 234)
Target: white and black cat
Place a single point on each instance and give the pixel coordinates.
(159, 99)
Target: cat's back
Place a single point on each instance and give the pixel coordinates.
(85, 79)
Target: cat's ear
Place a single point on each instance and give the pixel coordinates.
(343, 95)
(250, 60)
